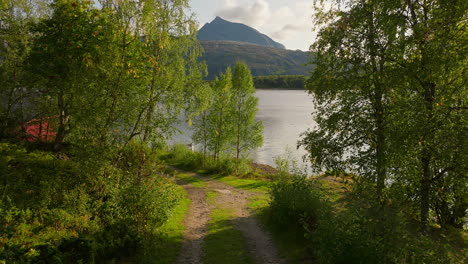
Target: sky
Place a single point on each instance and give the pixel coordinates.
(288, 22)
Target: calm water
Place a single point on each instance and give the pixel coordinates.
(285, 115)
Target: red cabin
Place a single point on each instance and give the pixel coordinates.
(40, 129)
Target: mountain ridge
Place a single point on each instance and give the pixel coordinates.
(223, 30)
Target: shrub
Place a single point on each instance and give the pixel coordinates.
(88, 208)
(184, 158)
(367, 233)
(295, 199)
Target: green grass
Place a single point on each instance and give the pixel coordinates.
(211, 196)
(290, 240)
(259, 202)
(168, 238)
(241, 183)
(224, 243)
(191, 180)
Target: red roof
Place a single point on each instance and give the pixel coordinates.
(40, 129)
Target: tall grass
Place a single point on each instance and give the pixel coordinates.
(182, 157)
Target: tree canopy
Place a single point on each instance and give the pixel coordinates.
(390, 93)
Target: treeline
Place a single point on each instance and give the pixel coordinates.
(280, 82)
(390, 95)
(84, 91)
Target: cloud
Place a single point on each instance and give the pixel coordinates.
(254, 15)
(299, 18)
(287, 31)
(290, 24)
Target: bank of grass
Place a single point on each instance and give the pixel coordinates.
(224, 243)
(240, 182)
(326, 219)
(181, 157)
(190, 179)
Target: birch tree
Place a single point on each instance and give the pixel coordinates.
(248, 132)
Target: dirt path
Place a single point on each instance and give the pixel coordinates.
(259, 242)
(196, 227)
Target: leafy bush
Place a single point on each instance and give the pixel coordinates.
(184, 158)
(49, 236)
(353, 230)
(295, 199)
(364, 234)
(87, 208)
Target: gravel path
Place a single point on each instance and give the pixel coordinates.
(259, 243)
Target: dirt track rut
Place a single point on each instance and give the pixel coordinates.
(259, 243)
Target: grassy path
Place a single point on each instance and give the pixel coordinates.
(220, 227)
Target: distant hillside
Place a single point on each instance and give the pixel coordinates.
(262, 61)
(220, 29)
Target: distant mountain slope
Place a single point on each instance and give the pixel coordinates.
(220, 29)
(261, 60)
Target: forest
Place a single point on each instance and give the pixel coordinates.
(90, 93)
(280, 81)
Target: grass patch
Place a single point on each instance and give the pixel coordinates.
(211, 196)
(224, 243)
(246, 184)
(168, 238)
(190, 179)
(259, 202)
(290, 239)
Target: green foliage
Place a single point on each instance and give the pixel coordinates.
(248, 132)
(56, 210)
(219, 116)
(16, 17)
(389, 102)
(295, 200)
(360, 234)
(280, 82)
(181, 157)
(104, 75)
(228, 124)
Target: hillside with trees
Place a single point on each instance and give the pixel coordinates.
(293, 82)
(226, 43)
(262, 61)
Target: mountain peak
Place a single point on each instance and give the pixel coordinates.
(221, 29)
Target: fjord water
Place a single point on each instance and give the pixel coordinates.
(285, 115)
